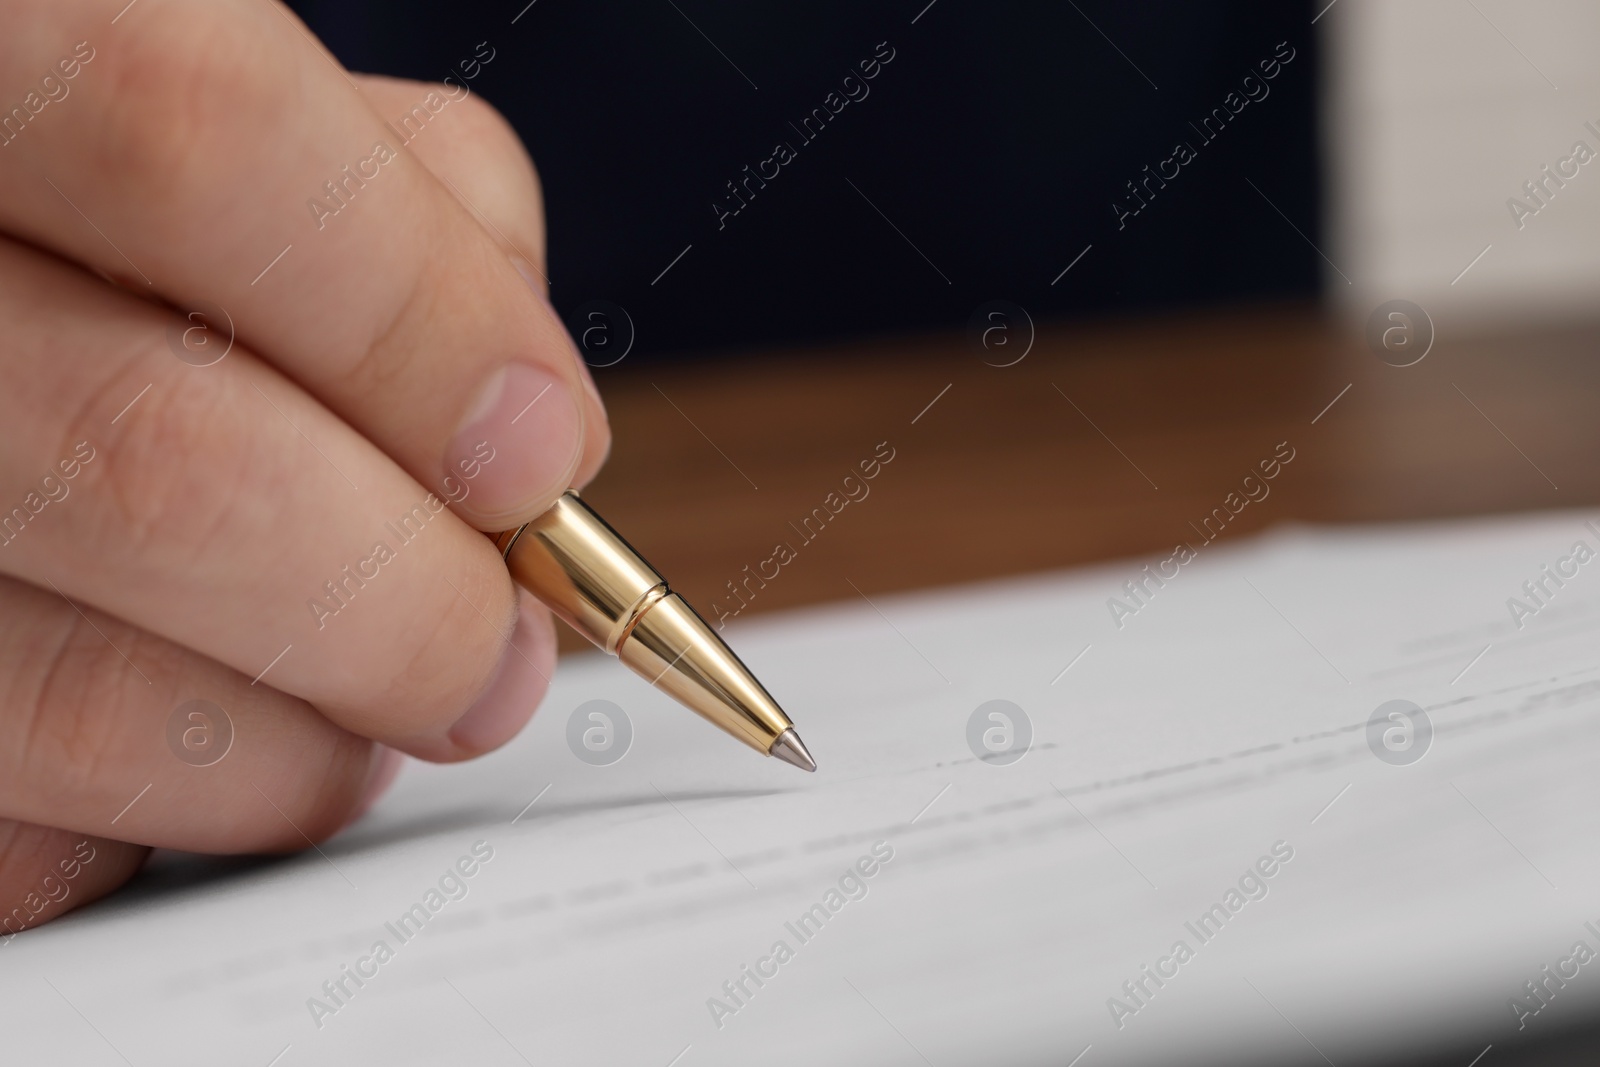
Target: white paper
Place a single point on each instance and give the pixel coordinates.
(1229, 714)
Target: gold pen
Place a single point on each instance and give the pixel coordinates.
(588, 575)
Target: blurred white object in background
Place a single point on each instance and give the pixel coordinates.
(1440, 118)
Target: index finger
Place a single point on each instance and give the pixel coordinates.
(252, 174)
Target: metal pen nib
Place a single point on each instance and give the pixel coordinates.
(791, 749)
(588, 575)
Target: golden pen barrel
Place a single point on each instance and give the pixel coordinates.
(589, 576)
(582, 570)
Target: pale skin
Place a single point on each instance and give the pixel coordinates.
(394, 345)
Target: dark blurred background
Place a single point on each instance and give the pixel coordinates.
(995, 141)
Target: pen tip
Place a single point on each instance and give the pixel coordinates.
(789, 748)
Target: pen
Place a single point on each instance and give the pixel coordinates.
(583, 570)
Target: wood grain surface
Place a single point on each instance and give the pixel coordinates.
(1107, 440)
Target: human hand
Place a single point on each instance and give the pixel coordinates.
(290, 530)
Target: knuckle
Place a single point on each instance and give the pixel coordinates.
(187, 83)
(485, 125)
(27, 851)
(501, 144)
(31, 889)
(72, 698)
(477, 139)
(33, 860)
(173, 478)
(388, 360)
(82, 725)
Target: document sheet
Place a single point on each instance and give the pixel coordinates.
(1310, 797)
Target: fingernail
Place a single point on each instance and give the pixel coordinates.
(540, 287)
(520, 683)
(385, 768)
(518, 445)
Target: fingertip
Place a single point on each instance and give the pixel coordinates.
(521, 441)
(521, 680)
(385, 768)
(47, 872)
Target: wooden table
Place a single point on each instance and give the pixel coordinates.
(1107, 440)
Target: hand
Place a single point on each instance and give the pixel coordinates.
(289, 532)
